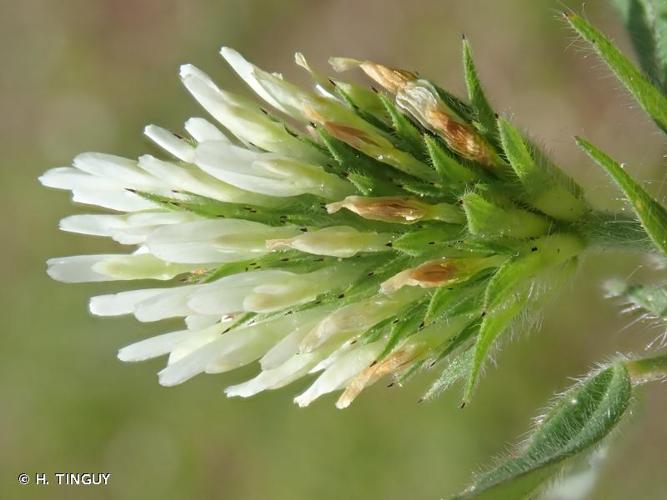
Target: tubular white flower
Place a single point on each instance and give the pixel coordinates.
(267, 173)
(92, 190)
(266, 291)
(212, 241)
(177, 147)
(295, 367)
(335, 241)
(244, 119)
(211, 351)
(338, 374)
(354, 319)
(129, 229)
(193, 180)
(202, 130)
(86, 268)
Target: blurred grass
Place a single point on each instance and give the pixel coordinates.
(81, 75)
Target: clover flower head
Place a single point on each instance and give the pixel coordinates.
(386, 231)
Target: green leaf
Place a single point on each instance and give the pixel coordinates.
(647, 95)
(646, 22)
(652, 214)
(548, 188)
(485, 116)
(578, 420)
(646, 299)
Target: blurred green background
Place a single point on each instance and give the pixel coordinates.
(88, 74)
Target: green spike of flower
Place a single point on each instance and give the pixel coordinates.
(485, 116)
(548, 189)
(490, 220)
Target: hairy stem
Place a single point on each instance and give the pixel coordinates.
(615, 231)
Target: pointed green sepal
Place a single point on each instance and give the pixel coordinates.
(548, 188)
(652, 214)
(490, 220)
(485, 116)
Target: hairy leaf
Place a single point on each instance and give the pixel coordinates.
(652, 214)
(647, 95)
(646, 22)
(578, 420)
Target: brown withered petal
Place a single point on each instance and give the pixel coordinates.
(383, 208)
(391, 79)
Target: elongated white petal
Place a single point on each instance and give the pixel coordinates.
(195, 341)
(202, 130)
(77, 268)
(267, 173)
(227, 295)
(247, 71)
(139, 266)
(118, 200)
(188, 178)
(169, 142)
(356, 318)
(201, 321)
(342, 371)
(152, 347)
(94, 225)
(117, 169)
(171, 303)
(245, 119)
(206, 241)
(294, 368)
(118, 304)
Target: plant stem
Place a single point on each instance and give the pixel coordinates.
(615, 231)
(647, 369)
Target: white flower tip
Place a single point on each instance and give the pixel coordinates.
(127, 355)
(340, 64)
(170, 143)
(332, 208)
(166, 378)
(303, 400)
(238, 391)
(202, 130)
(343, 402)
(188, 70)
(300, 60)
(235, 60)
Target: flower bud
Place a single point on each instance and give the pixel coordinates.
(402, 210)
(420, 99)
